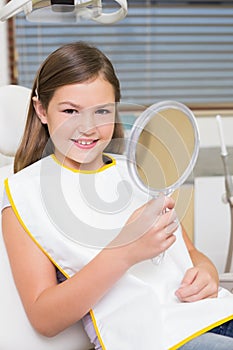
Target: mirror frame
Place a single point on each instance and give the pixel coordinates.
(135, 133)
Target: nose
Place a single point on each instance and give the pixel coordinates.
(86, 122)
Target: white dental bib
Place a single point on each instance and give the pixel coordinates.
(72, 215)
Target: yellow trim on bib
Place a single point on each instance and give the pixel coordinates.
(104, 167)
(204, 330)
(97, 330)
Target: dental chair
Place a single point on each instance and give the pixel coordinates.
(16, 333)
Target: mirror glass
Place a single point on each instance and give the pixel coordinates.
(163, 147)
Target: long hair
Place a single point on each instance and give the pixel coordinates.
(71, 63)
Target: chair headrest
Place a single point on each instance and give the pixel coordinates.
(14, 101)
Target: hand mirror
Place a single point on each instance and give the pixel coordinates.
(162, 150)
(163, 147)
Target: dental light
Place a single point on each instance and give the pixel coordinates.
(63, 10)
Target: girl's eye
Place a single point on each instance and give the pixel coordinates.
(71, 111)
(103, 111)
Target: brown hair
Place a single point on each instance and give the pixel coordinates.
(72, 63)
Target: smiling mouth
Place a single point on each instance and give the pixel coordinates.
(85, 143)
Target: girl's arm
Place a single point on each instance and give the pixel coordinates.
(52, 307)
(200, 281)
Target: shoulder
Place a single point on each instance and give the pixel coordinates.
(29, 171)
(5, 201)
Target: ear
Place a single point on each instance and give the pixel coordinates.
(40, 110)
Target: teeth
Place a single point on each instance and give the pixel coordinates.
(85, 142)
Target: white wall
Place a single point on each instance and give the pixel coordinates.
(209, 133)
(4, 66)
(212, 221)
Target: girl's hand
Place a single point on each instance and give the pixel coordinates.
(198, 283)
(149, 230)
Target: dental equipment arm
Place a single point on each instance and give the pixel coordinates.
(229, 191)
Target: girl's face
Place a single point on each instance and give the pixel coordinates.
(80, 119)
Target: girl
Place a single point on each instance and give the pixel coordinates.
(63, 221)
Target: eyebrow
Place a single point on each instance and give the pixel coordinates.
(80, 107)
(69, 103)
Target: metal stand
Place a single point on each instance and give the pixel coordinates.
(229, 199)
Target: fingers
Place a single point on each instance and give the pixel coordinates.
(195, 287)
(167, 220)
(150, 214)
(161, 204)
(163, 231)
(195, 293)
(153, 208)
(168, 241)
(152, 218)
(172, 227)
